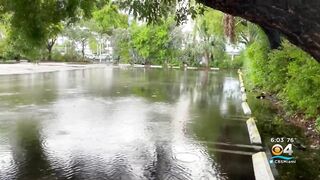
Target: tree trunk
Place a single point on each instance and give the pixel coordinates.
(298, 20)
(50, 54)
(50, 45)
(273, 37)
(83, 48)
(206, 59)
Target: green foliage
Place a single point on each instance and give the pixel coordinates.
(140, 40)
(191, 54)
(78, 34)
(209, 29)
(293, 74)
(155, 12)
(34, 27)
(246, 32)
(318, 124)
(289, 72)
(93, 44)
(121, 42)
(109, 18)
(226, 62)
(303, 86)
(32, 20)
(69, 56)
(4, 29)
(154, 44)
(211, 22)
(255, 63)
(31, 28)
(17, 48)
(277, 70)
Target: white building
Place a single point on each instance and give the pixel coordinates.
(234, 50)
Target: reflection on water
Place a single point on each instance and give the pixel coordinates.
(121, 124)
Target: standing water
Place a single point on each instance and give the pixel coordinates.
(110, 123)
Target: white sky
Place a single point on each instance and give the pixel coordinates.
(188, 26)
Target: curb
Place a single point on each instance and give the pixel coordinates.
(255, 137)
(246, 108)
(261, 167)
(262, 170)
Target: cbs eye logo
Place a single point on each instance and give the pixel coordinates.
(277, 149)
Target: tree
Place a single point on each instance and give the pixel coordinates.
(93, 44)
(154, 12)
(79, 34)
(52, 38)
(109, 18)
(34, 21)
(272, 16)
(121, 45)
(209, 29)
(246, 32)
(4, 30)
(140, 41)
(31, 19)
(155, 43)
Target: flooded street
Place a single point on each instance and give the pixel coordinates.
(110, 123)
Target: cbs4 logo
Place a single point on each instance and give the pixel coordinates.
(278, 150)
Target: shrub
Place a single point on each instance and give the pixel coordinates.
(256, 58)
(303, 86)
(318, 124)
(277, 64)
(68, 57)
(289, 72)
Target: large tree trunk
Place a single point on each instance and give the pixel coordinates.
(298, 20)
(273, 37)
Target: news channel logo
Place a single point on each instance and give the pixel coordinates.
(282, 154)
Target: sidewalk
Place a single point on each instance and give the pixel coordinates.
(27, 68)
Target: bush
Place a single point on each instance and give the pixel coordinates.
(254, 62)
(318, 124)
(303, 86)
(68, 57)
(228, 63)
(277, 65)
(293, 74)
(256, 68)
(289, 72)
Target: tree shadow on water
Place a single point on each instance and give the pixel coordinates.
(28, 151)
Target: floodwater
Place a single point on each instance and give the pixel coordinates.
(109, 123)
(271, 125)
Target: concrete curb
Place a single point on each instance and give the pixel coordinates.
(261, 167)
(244, 97)
(254, 135)
(215, 69)
(246, 108)
(159, 66)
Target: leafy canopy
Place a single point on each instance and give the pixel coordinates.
(35, 20)
(109, 18)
